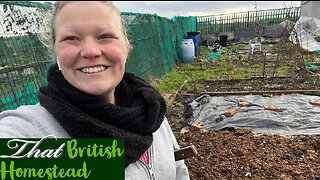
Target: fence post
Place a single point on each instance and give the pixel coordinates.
(248, 20)
(211, 21)
(216, 25)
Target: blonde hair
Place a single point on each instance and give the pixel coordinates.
(58, 5)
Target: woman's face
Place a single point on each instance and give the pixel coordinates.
(91, 47)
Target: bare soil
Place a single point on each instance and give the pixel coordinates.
(230, 155)
(267, 84)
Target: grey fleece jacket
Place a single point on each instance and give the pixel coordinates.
(34, 121)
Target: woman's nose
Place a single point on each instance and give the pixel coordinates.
(90, 49)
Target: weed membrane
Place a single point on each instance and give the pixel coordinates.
(289, 115)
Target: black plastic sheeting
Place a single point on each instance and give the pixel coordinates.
(297, 115)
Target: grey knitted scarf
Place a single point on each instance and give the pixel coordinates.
(139, 111)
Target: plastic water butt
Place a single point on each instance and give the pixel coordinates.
(194, 36)
(187, 50)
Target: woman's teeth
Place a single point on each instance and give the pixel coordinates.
(93, 69)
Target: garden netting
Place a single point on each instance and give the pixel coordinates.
(25, 48)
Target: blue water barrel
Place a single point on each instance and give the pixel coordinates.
(194, 36)
(187, 50)
(195, 42)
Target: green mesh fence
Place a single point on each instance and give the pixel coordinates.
(155, 42)
(24, 60)
(229, 22)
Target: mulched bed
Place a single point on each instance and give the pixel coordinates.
(255, 85)
(231, 155)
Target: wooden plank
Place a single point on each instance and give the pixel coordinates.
(254, 78)
(259, 92)
(317, 103)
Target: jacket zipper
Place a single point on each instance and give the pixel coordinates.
(149, 169)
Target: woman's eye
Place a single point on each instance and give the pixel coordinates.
(105, 36)
(71, 38)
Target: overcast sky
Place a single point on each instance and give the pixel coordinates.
(199, 8)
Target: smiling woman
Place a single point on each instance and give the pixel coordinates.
(91, 48)
(89, 94)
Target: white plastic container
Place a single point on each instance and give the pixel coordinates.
(187, 50)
